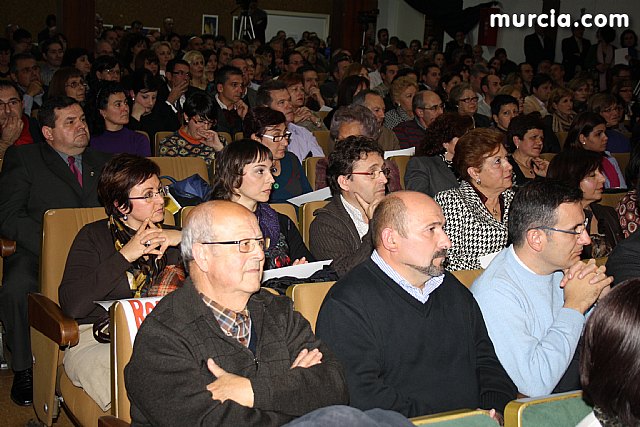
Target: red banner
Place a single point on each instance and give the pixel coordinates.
(487, 36)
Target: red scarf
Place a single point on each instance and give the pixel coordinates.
(610, 172)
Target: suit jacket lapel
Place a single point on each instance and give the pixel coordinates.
(55, 163)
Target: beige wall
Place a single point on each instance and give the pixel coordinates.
(187, 14)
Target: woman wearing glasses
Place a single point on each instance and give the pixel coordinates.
(582, 169)
(128, 254)
(269, 128)
(607, 106)
(196, 138)
(477, 212)
(69, 82)
(464, 100)
(243, 175)
(108, 133)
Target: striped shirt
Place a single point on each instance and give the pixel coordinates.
(421, 295)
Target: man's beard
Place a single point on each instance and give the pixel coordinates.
(432, 270)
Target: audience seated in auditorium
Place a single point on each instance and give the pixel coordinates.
(490, 86)
(302, 143)
(196, 138)
(129, 254)
(464, 101)
(588, 132)
(535, 293)
(503, 109)
(561, 108)
(540, 91)
(482, 201)
(35, 178)
(243, 175)
(403, 89)
(431, 170)
(109, 133)
(302, 115)
(405, 279)
(230, 109)
(606, 105)
(357, 177)
(195, 355)
(426, 106)
(25, 72)
(269, 127)
(583, 169)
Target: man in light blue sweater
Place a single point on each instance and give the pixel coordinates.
(535, 293)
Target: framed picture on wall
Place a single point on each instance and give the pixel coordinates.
(210, 24)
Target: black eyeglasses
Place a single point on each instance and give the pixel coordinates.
(434, 107)
(374, 174)
(467, 100)
(278, 138)
(245, 245)
(207, 122)
(581, 228)
(149, 195)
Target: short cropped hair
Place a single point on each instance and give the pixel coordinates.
(123, 172)
(47, 113)
(8, 84)
(263, 97)
(536, 205)
(355, 113)
(501, 100)
(200, 104)
(259, 119)
(520, 125)
(540, 79)
(391, 211)
(345, 154)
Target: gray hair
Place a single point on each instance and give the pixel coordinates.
(355, 113)
(199, 227)
(418, 100)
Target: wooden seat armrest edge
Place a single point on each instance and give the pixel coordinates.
(7, 247)
(47, 317)
(111, 421)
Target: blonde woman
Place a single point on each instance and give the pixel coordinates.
(165, 54)
(403, 89)
(196, 65)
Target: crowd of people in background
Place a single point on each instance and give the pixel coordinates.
(479, 126)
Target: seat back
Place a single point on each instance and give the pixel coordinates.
(462, 418)
(562, 409)
(467, 277)
(59, 229)
(562, 137)
(324, 141)
(307, 299)
(307, 217)
(547, 156)
(288, 210)
(182, 167)
(126, 317)
(226, 136)
(238, 136)
(310, 166)
(612, 199)
(623, 161)
(401, 162)
(159, 137)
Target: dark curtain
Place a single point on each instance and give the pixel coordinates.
(450, 13)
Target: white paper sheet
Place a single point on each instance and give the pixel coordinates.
(300, 271)
(314, 196)
(619, 56)
(405, 152)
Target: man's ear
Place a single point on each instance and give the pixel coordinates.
(536, 239)
(343, 182)
(201, 256)
(219, 87)
(388, 239)
(47, 132)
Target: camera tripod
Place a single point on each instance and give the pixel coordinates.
(245, 27)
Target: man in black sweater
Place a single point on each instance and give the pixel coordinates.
(410, 336)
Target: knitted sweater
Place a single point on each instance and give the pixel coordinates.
(534, 336)
(167, 376)
(122, 141)
(413, 358)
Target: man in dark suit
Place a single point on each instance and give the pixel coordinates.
(538, 46)
(574, 51)
(229, 106)
(61, 173)
(171, 96)
(15, 126)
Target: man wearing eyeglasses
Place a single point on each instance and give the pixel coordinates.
(221, 351)
(25, 72)
(357, 178)
(427, 106)
(61, 173)
(535, 293)
(15, 126)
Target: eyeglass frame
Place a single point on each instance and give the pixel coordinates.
(265, 243)
(13, 102)
(75, 85)
(162, 191)
(375, 174)
(199, 121)
(470, 99)
(286, 135)
(433, 107)
(572, 232)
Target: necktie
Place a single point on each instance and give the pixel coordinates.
(74, 169)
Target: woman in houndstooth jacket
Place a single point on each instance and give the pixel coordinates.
(477, 213)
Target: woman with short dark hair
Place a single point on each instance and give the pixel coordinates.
(243, 175)
(68, 81)
(196, 138)
(126, 255)
(477, 212)
(582, 169)
(610, 358)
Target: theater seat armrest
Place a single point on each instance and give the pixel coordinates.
(111, 421)
(47, 317)
(7, 247)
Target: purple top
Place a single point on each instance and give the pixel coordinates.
(122, 141)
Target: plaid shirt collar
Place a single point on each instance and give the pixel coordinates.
(234, 324)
